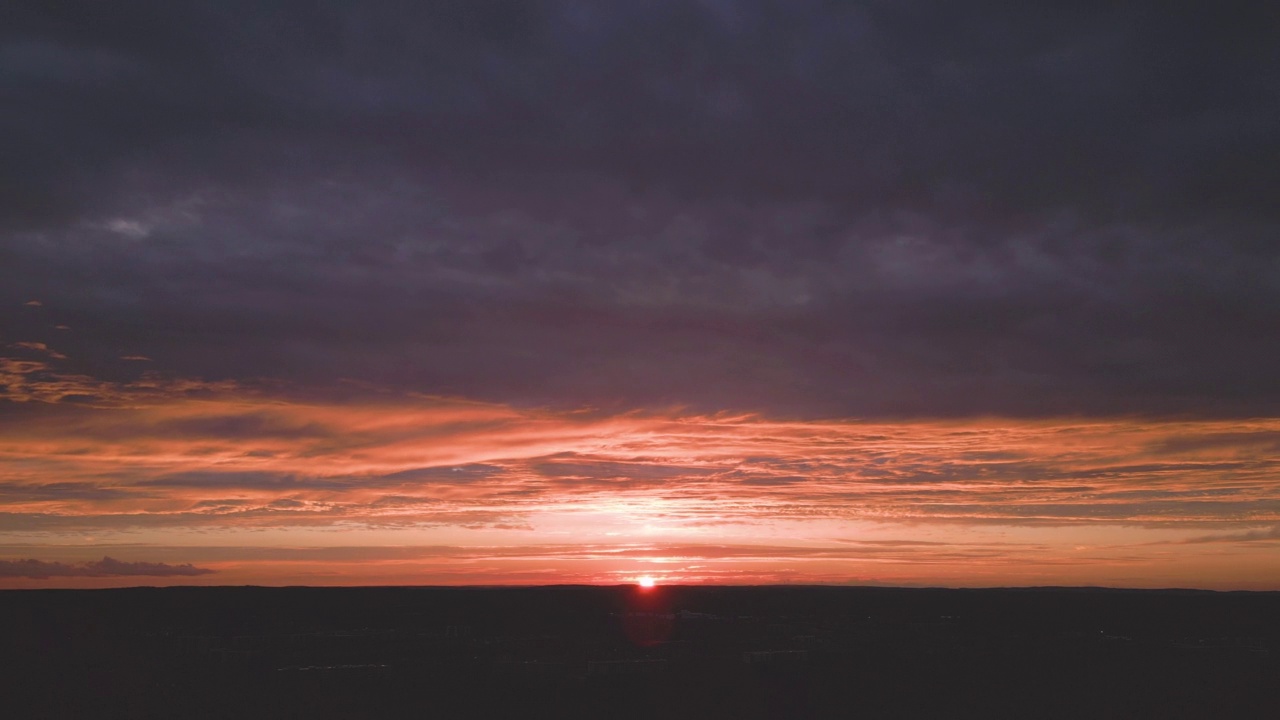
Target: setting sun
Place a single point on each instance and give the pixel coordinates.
(646, 582)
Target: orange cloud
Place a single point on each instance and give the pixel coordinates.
(713, 496)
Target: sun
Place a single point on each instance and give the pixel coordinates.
(646, 581)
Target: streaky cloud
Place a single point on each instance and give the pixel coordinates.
(106, 567)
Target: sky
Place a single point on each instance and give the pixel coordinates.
(713, 291)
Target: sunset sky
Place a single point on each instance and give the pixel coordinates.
(552, 291)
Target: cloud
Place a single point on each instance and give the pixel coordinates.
(106, 567)
(160, 457)
(675, 95)
(63, 492)
(40, 348)
(637, 267)
(35, 381)
(1264, 534)
(789, 208)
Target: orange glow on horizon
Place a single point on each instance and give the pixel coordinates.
(268, 490)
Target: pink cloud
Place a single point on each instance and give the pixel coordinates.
(176, 458)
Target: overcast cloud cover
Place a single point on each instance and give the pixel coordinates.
(814, 208)
(893, 211)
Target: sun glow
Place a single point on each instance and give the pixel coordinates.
(646, 582)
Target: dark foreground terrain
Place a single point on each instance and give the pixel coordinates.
(616, 652)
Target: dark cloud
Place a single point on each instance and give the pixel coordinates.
(212, 480)
(1264, 535)
(65, 491)
(807, 207)
(244, 426)
(1139, 105)
(427, 476)
(106, 567)
(576, 469)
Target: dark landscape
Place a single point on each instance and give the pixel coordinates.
(579, 651)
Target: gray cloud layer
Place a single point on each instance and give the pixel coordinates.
(106, 567)
(803, 207)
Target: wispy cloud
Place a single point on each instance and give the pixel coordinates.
(447, 490)
(1264, 534)
(40, 348)
(156, 453)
